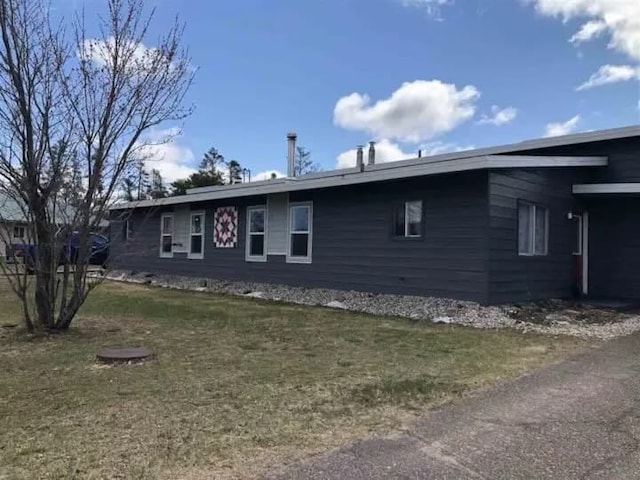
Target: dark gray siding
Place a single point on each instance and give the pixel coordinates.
(353, 246)
(614, 248)
(624, 159)
(515, 278)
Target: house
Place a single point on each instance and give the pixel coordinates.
(546, 218)
(13, 226)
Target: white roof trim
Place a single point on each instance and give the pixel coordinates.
(573, 139)
(355, 176)
(606, 188)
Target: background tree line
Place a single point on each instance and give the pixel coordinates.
(143, 184)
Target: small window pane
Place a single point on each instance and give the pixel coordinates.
(256, 223)
(300, 245)
(399, 229)
(577, 235)
(300, 219)
(414, 219)
(196, 244)
(257, 245)
(167, 225)
(524, 229)
(196, 224)
(166, 244)
(541, 231)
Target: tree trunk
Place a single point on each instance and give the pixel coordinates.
(45, 294)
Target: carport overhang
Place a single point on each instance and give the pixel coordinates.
(607, 189)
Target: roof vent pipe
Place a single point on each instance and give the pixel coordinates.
(360, 157)
(291, 154)
(419, 153)
(372, 153)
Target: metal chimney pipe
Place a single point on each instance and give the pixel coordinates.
(372, 153)
(419, 153)
(291, 155)
(360, 157)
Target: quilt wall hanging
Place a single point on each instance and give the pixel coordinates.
(225, 231)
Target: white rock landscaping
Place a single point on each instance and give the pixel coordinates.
(437, 310)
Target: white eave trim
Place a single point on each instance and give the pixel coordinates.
(390, 172)
(606, 188)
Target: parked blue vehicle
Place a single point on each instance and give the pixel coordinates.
(99, 254)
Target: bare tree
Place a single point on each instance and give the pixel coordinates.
(96, 97)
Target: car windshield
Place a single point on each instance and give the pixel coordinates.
(99, 239)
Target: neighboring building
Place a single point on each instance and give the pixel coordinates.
(540, 219)
(13, 227)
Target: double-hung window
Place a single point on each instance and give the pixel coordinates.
(300, 232)
(533, 229)
(408, 220)
(166, 235)
(196, 236)
(19, 232)
(256, 234)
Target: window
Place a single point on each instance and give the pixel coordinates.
(533, 229)
(408, 220)
(300, 233)
(577, 235)
(166, 236)
(256, 234)
(196, 239)
(126, 230)
(19, 232)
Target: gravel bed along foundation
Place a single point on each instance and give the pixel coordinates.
(555, 318)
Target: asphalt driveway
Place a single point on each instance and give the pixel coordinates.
(576, 420)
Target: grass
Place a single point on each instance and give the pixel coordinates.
(238, 387)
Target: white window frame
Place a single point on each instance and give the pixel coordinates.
(309, 232)
(406, 220)
(162, 234)
(191, 255)
(532, 230)
(24, 232)
(579, 226)
(248, 234)
(127, 230)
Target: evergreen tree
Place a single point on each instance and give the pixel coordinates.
(303, 163)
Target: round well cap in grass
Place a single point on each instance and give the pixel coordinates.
(124, 354)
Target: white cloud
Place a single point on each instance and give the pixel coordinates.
(438, 148)
(611, 74)
(417, 111)
(558, 129)
(101, 51)
(172, 159)
(499, 116)
(620, 19)
(432, 7)
(266, 175)
(589, 31)
(386, 151)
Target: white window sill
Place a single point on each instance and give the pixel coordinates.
(195, 257)
(256, 259)
(298, 260)
(166, 255)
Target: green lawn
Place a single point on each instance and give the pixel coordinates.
(238, 386)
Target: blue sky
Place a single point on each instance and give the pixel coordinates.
(433, 74)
